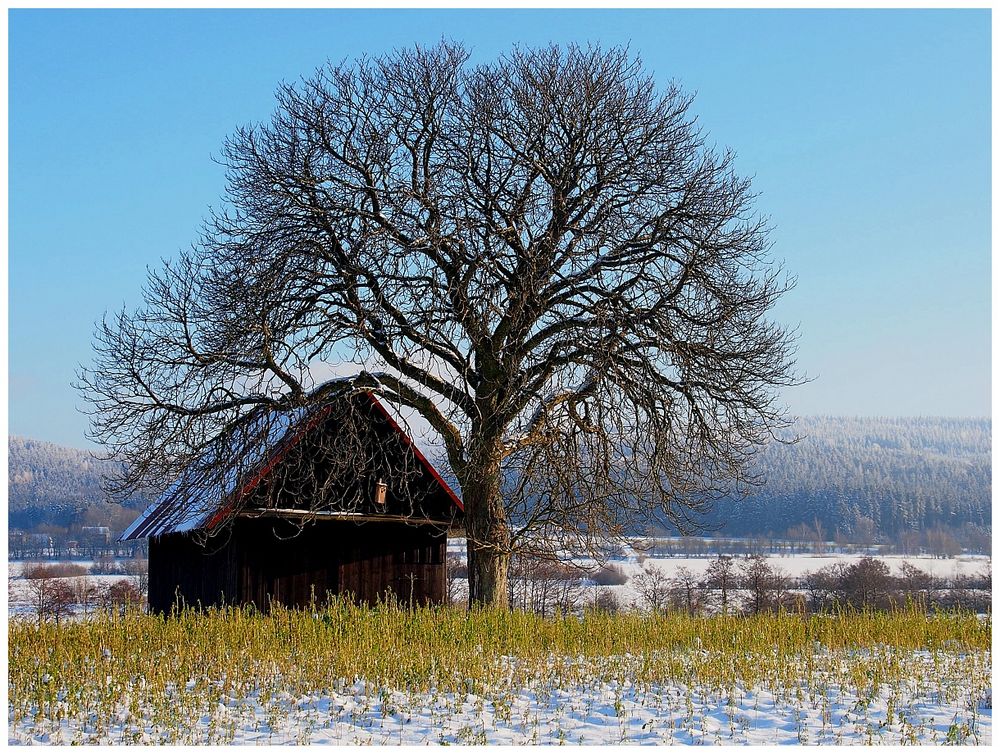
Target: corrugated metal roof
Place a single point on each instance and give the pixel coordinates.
(197, 495)
(200, 497)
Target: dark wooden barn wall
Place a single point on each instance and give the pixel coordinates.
(262, 561)
(180, 570)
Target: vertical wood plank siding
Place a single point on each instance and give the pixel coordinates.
(265, 560)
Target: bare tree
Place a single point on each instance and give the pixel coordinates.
(985, 577)
(864, 530)
(606, 601)
(120, 596)
(540, 256)
(653, 587)
(50, 597)
(686, 591)
(825, 587)
(942, 544)
(85, 593)
(916, 585)
(721, 578)
(867, 583)
(819, 540)
(610, 575)
(908, 542)
(765, 585)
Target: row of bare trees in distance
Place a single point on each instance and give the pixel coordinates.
(749, 585)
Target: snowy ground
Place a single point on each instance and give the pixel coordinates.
(942, 698)
(633, 561)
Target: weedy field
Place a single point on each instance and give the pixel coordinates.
(344, 674)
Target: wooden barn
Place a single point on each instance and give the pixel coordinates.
(336, 498)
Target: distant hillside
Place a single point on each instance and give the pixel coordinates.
(872, 478)
(49, 484)
(866, 479)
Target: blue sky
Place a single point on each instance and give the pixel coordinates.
(867, 133)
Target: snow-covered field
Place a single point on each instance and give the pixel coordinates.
(632, 562)
(940, 700)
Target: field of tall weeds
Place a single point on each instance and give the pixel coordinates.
(131, 677)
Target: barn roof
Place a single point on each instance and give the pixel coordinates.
(199, 499)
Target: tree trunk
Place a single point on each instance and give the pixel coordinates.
(487, 577)
(488, 533)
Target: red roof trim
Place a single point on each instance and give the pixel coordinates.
(416, 451)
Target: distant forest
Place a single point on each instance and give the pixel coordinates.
(854, 480)
(52, 488)
(872, 480)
